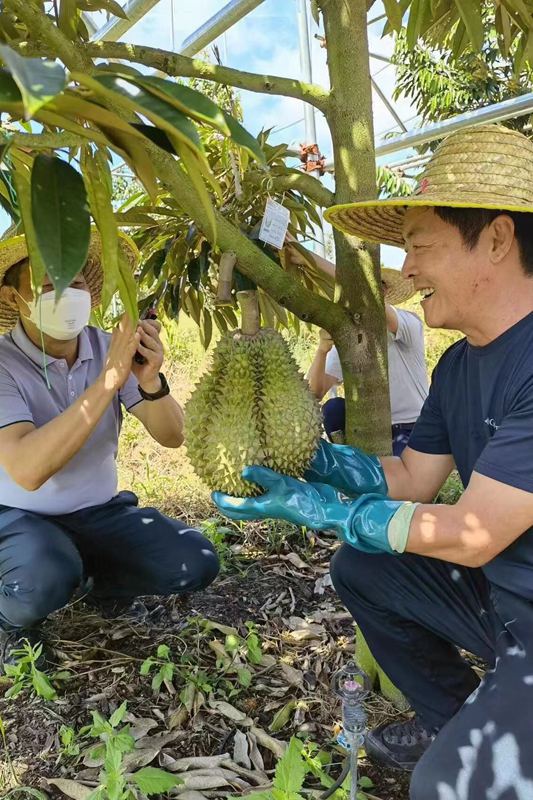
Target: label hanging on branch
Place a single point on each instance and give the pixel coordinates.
(274, 225)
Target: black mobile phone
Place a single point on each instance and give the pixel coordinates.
(149, 313)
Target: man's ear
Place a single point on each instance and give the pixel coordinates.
(7, 295)
(502, 232)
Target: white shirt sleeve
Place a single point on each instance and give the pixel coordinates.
(409, 328)
(333, 365)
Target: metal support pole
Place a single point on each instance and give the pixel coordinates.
(306, 70)
(497, 112)
(216, 25)
(116, 27)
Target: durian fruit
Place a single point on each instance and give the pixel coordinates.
(253, 406)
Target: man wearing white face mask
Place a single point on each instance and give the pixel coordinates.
(63, 385)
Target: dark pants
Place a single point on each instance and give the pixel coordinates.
(414, 612)
(334, 414)
(128, 551)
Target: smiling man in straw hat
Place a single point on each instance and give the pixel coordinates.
(63, 385)
(424, 580)
(408, 383)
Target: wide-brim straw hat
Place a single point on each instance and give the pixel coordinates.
(399, 289)
(487, 166)
(13, 249)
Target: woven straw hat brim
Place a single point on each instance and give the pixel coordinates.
(399, 289)
(13, 250)
(487, 167)
(381, 221)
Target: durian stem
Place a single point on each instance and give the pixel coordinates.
(225, 277)
(249, 306)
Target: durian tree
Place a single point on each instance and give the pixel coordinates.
(94, 107)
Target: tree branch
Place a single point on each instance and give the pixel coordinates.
(45, 32)
(298, 182)
(182, 66)
(252, 262)
(43, 141)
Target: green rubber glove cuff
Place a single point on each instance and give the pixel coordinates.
(374, 524)
(398, 528)
(347, 469)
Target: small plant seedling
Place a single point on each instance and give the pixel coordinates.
(115, 743)
(164, 667)
(25, 674)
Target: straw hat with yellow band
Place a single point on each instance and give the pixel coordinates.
(487, 166)
(13, 249)
(398, 289)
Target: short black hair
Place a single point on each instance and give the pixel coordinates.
(471, 221)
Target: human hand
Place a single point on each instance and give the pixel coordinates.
(325, 342)
(151, 348)
(124, 342)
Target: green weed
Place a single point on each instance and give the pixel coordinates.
(25, 674)
(115, 743)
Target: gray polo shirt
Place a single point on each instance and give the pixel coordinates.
(408, 380)
(90, 477)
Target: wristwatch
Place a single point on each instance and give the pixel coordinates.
(163, 391)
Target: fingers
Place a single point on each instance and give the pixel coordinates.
(151, 326)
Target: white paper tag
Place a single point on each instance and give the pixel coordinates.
(274, 225)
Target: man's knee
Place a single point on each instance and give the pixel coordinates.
(194, 566)
(42, 581)
(356, 572)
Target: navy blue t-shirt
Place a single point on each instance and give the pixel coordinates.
(480, 409)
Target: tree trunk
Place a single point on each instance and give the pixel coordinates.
(362, 345)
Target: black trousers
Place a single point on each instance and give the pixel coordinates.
(127, 550)
(415, 612)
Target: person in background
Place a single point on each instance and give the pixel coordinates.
(63, 387)
(408, 381)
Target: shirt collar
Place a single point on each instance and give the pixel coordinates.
(35, 354)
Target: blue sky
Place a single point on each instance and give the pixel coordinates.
(266, 41)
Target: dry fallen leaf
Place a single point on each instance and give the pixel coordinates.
(72, 789)
(240, 750)
(274, 745)
(198, 762)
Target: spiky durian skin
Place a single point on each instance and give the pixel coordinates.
(251, 407)
(290, 438)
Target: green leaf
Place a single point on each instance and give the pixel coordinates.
(244, 139)
(61, 219)
(98, 183)
(111, 6)
(42, 685)
(116, 718)
(471, 14)
(127, 288)
(282, 716)
(158, 111)
(394, 14)
(151, 780)
(191, 165)
(146, 666)
(163, 651)
(188, 101)
(39, 80)
(68, 18)
(245, 677)
(290, 770)
(22, 180)
(23, 792)
(365, 782)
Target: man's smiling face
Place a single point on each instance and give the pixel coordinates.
(449, 275)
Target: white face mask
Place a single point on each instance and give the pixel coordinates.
(64, 319)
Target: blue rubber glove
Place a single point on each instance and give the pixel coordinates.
(364, 522)
(348, 469)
